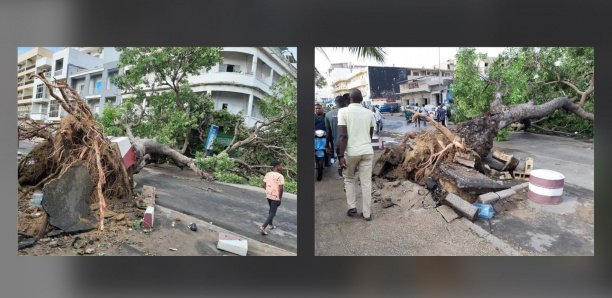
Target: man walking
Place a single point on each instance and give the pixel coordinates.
(356, 127)
(273, 184)
(378, 117)
(331, 124)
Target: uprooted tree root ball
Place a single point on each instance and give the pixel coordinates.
(77, 139)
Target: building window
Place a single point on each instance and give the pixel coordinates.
(229, 68)
(43, 109)
(59, 66)
(109, 80)
(41, 91)
(80, 88)
(224, 107)
(53, 109)
(99, 86)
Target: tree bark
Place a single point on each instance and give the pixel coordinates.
(480, 132)
(149, 146)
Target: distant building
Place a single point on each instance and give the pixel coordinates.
(244, 78)
(378, 84)
(61, 66)
(485, 64)
(28, 63)
(423, 91)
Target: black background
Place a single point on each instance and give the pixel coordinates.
(304, 24)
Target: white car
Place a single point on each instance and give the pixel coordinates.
(431, 110)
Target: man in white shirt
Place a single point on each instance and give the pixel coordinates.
(356, 127)
(378, 117)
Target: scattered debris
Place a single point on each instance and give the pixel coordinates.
(233, 244)
(193, 227)
(485, 211)
(89, 251)
(172, 249)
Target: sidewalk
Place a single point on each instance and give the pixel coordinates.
(396, 231)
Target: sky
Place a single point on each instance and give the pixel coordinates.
(400, 57)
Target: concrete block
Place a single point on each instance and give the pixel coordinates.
(233, 244)
(505, 193)
(465, 208)
(447, 213)
(520, 186)
(488, 198)
(148, 217)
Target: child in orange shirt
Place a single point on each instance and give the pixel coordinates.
(273, 184)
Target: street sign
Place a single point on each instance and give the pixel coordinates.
(210, 140)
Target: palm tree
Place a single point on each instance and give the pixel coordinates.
(376, 53)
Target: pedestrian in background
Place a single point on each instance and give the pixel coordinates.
(378, 117)
(442, 114)
(356, 127)
(273, 184)
(331, 124)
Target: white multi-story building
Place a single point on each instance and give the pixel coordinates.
(61, 66)
(27, 64)
(237, 85)
(243, 79)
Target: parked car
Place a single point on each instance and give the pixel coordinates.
(390, 107)
(431, 110)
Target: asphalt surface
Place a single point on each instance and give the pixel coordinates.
(239, 210)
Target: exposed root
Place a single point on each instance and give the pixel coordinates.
(68, 142)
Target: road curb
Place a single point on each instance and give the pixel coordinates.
(257, 247)
(498, 243)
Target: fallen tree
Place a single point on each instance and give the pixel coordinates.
(420, 155)
(78, 138)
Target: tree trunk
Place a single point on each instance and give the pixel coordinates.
(480, 132)
(142, 147)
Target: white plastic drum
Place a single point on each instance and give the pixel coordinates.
(546, 186)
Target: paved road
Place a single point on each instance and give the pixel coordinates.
(240, 210)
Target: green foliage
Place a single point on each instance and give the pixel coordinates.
(111, 116)
(503, 134)
(161, 105)
(472, 95)
(530, 74)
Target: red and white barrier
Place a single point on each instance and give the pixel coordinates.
(126, 149)
(546, 186)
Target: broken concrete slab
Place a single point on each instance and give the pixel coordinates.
(147, 198)
(447, 213)
(488, 198)
(505, 193)
(67, 200)
(520, 186)
(465, 208)
(469, 180)
(233, 244)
